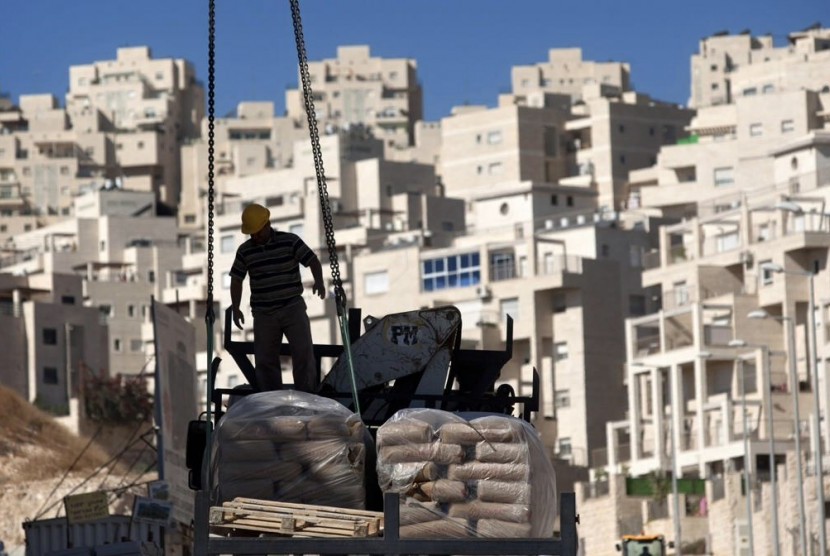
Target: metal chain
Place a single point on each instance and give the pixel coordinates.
(209, 316)
(322, 189)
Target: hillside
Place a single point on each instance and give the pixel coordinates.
(36, 452)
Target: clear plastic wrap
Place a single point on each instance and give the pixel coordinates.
(290, 446)
(477, 475)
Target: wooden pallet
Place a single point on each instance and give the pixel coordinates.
(296, 520)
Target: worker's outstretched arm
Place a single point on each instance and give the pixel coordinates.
(236, 299)
(319, 286)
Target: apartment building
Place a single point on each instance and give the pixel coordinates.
(716, 369)
(565, 72)
(356, 88)
(50, 338)
(727, 66)
(729, 153)
(121, 251)
(587, 149)
(122, 125)
(252, 142)
(152, 106)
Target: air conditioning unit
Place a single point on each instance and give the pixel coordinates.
(483, 292)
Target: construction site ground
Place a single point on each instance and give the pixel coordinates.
(36, 454)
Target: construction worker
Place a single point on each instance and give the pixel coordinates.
(272, 260)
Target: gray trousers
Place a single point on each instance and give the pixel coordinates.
(292, 321)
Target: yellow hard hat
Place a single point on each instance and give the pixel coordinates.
(254, 218)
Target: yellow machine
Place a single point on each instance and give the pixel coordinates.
(642, 545)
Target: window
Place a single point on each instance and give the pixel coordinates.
(50, 336)
(296, 229)
(64, 170)
(562, 398)
(554, 200)
(68, 299)
(509, 307)
(136, 345)
(635, 256)
(724, 177)
(550, 141)
(151, 276)
(228, 244)
(453, 271)
(495, 169)
(502, 266)
(605, 249)
(636, 305)
(756, 130)
(621, 128)
(560, 351)
(376, 282)
(787, 126)
(226, 281)
(130, 311)
(189, 218)
(727, 241)
(570, 200)
(750, 91)
(622, 159)
(560, 303)
(50, 375)
(494, 137)
(564, 448)
(504, 209)
(768, 88)
(116, 344)
(681, 293)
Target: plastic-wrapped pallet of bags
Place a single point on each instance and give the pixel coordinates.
(467, 476)
(290, 446)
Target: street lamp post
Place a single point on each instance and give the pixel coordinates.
(745, 425)
(794, 388)
(822, 530)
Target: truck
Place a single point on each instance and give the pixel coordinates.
(403, 360)
(642, 545)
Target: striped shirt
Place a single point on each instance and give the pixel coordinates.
(274, 270)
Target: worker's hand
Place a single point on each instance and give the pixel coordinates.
(320, 289)
(238, 317)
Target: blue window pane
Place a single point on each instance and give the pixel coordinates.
(439, 265)
(440, 283)
(465, 261)
(428, 285)
(453, 280)
(464, 279)
(476, 277)
(451, 263)
(428, 267)
(475, 259)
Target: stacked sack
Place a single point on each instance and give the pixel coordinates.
(483, 477)
(290, 446)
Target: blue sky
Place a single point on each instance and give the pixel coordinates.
(464, 48)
